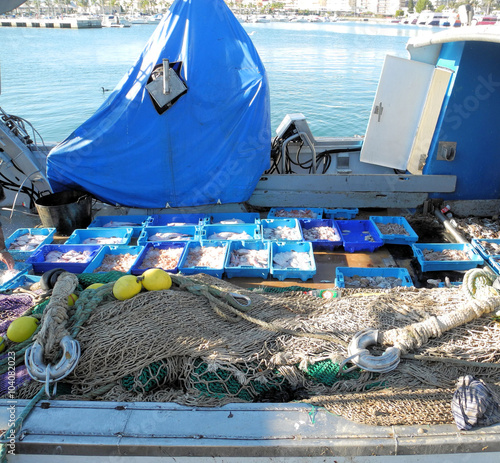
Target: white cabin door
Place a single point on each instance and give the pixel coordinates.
(406, 107)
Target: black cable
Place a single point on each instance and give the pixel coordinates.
(24, 190)
(324, 156)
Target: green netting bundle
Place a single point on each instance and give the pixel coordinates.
(221, 382)
(39, 308)
(326, 372)
(147, 379)
(87, 279)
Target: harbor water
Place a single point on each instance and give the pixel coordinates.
(57, 78)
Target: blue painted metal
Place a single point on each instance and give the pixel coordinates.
(469, 118)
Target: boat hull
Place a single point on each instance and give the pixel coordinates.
(112, 431)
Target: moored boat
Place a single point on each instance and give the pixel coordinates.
(431, 151)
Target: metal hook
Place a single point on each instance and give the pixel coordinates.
(47, 386)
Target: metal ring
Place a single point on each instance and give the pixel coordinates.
(236, 296)
(33, 358)
(359, 355)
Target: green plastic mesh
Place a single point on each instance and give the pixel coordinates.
(149, 378)
(221, 383)
(326, 372)
(39, 308)
(273, 290)
(87, 279)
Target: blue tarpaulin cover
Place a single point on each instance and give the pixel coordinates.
(210, 146)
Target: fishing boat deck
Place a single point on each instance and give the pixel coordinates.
(110, 431)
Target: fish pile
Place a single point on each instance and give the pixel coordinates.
(118, 262)
(230, 236)
(170, 237)
(6, 275)
(231, 221)
(167, 259)
(68, 257)
(490, 248)
(103, 240)
(26, 242)
(321, 234)
(113, 224)
(206, 256)
(296, 213)
(249, 258)
(445, 254)
(475, 227)
(357, 281)
(391, 229)
(179, 224)
(292, 259)
(282, 233)
(368, 236)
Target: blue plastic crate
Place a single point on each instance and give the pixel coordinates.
(290, 272)
(37, 259)
(181, 245)
(230, 217)
(136, 222)
(214, 271)
(21, 267)
(483, 246)
(114, 251)
(348, 272)
(22, 279)
(80, 235)
(275, 223)
(295, 213)
(147, 235)
(321, 245)
(494, 262)
(247, 270)
(23, 255)
(340, 214)
(252, 230)
(393, 238)
(161, 220)
(355, 233)
(427, 266)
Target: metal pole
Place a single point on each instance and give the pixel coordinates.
(448, 225)
(166, 77)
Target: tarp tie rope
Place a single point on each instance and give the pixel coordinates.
(52, 335)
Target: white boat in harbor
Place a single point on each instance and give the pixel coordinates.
(298, 19)
(155, 19)
(280, 18)
(420, 147)
(112, 20)
(137, 19)
(261, 18)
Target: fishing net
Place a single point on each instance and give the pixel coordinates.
(195, 346)
(11, 307)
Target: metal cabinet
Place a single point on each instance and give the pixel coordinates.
(404, 114)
